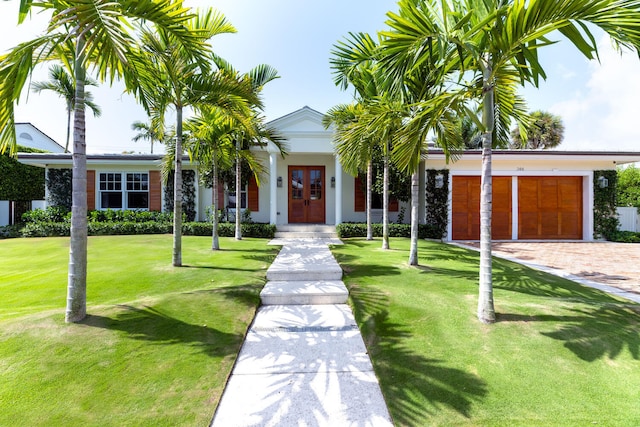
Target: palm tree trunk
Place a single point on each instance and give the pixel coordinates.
(486, 311)
(177, 193)
(415, 184)
(69, 111)
(215, 243)
(77, 283)
(369, 191)
(385, 203)
(238, 193)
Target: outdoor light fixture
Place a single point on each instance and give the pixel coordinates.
(333, 182)
(279, 181)
(603, 182)
(439, 181)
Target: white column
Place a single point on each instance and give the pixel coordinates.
(338, 192)
(273, 188)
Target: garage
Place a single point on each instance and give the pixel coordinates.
(550, 207)
(465, 201)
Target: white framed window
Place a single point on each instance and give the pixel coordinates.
(119, 190)
(243, 198)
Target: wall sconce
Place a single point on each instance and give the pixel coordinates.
(439, 181)
(279, 182)
(603, 182)
(333, 182)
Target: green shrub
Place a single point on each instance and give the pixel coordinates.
(129, 216)
(50, 214)
(10, 231)
(425, 231)
(46, 229)
(259, 230)
(625, 237)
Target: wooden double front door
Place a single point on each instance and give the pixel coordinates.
(307, 194)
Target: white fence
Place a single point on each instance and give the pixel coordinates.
(628, 218)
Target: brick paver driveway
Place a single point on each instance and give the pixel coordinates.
(614, 264)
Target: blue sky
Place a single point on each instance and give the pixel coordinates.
(598, 102)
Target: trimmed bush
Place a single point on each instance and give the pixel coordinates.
(50, 214)
(425, 231)
(625, 237)
(228, 229)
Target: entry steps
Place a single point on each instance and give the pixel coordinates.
(306, 231)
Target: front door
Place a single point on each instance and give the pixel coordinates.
(306, 194)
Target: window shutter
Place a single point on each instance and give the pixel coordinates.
(220, 195)
(155, 191)
(253, 202)
(359, 198)
(393, 205)
(91, 190)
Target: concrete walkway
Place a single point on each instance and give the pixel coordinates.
(303, 362)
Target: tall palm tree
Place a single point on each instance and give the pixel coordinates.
(146, 132)
(177, 77)
(497, 41)
(546, 131)
(100, 33)
(61, 83)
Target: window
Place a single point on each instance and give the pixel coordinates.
(134, 194)
(243, 198)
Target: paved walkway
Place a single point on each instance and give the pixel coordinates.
(303, 362)
(611, 267)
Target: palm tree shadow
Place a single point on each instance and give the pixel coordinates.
(407, 377)
(149, 324)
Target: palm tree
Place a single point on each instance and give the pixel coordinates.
(146, 132)
(61, 83)
(177, 77)
(497, 42)
(212, 145)
(354, 65)
(99, 33)
(546, 131)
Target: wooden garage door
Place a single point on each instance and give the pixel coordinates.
(550, 207)
(465, 201)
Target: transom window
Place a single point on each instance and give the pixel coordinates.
(132, 193)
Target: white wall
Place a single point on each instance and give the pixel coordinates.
(628, 217)
(4, 212)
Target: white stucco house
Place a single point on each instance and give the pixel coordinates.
(27, 135)
(537, 194)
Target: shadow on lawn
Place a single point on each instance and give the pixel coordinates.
(593, 333)
(149, 324)
(407, 377)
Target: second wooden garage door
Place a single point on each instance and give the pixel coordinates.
(550, 207)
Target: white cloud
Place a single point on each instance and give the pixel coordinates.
(605, 114)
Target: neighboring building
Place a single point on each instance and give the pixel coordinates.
(27, 135)
(537, 194)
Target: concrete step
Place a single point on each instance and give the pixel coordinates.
(304, 235)
(306, 231)
(304, 292)
(304, 262)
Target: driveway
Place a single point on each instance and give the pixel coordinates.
(613, 264)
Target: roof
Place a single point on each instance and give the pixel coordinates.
(65, 159)
(617, 157)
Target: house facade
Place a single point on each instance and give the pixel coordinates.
(536, 194)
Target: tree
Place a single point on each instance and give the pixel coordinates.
(61, 83)
(629, 186)
(172, 75)
(146, 132)
(99, 34)
(546, 131)
(494, 44)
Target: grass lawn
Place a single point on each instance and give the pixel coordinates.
(559, 355)
(159, 341)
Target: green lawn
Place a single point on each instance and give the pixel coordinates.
(159, 341)
(559, 355)
(157, 346)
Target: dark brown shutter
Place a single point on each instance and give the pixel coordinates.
(155, 191)
(91, 190)
(359, 198)
(253, 195)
